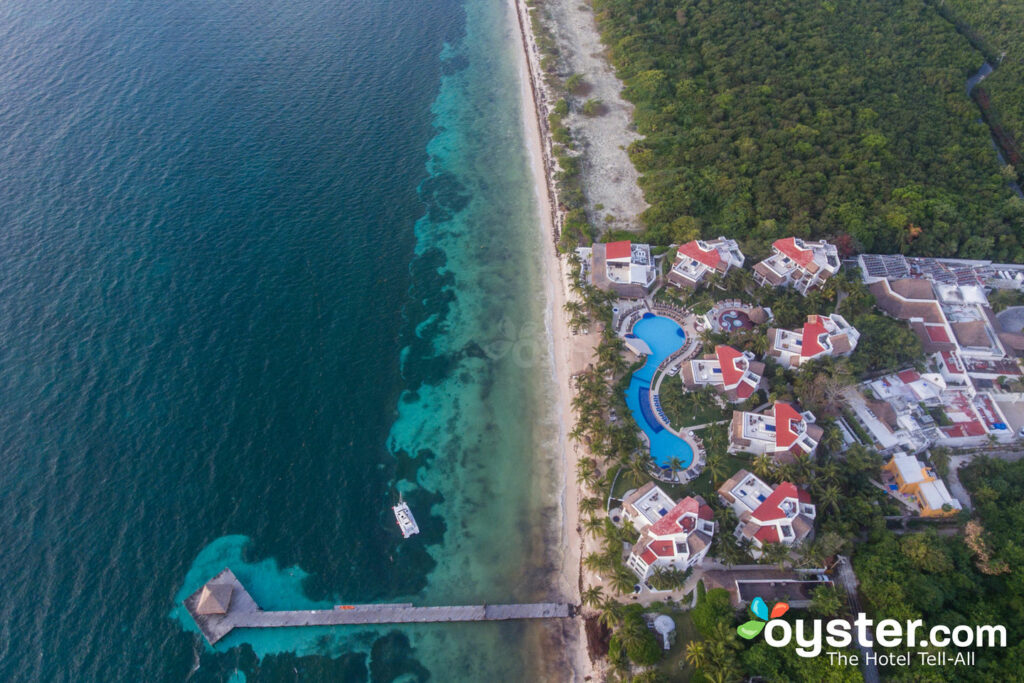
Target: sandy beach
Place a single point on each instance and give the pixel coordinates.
(569, 353)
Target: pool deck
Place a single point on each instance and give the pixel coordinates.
(243, 612)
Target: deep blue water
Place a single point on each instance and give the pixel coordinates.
(215, 251)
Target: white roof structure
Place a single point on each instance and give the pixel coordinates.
(936, 495)
(651, 506)
(909, 467)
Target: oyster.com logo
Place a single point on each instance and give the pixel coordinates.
(813, 636)
(753, 627)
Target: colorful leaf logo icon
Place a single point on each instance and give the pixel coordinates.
(759, 609)
(751, 628)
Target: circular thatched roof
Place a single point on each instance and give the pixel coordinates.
(758, 315)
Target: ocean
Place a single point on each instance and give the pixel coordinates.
(263, 267)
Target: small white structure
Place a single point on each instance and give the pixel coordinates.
(664, 626)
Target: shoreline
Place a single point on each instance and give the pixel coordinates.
(562, 344)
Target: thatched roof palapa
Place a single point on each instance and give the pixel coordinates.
(215, 599)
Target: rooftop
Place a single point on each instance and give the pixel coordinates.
(650, 502)
(782, 503)
(747, 489)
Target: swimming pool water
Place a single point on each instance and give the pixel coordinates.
(664, 337)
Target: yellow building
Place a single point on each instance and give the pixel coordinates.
(914, 479)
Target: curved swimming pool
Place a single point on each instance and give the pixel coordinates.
(664, 337)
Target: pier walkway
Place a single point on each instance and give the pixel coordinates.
(223, 604)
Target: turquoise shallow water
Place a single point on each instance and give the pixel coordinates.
(663, 337)
(258, 272)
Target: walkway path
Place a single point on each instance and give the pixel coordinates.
(236, 608)
(848, 580)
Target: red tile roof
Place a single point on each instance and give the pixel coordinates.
(692, 250)
(614, 250)
(951, 364)
(744, 390)
(785, 416)
(788, 247)
(809, 345)
(908, 376)
(769, 510)
(705, 512)
(974, 428)
(727, 357)
(937, 333)
(663, 548)
(767, 534)
(648, 557)
(669, 524)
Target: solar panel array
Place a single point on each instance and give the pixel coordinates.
(889, 266)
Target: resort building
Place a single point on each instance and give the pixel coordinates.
(733, 373)
(822, 335)
(698, 259)
(784, 514)
(911, 411)
(673, 535)
(781, 431)
(909, 476)
(944, 301)
(798, 263)
(623, 267)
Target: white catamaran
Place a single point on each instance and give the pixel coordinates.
(406, 522)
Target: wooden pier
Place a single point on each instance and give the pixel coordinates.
(223, 604)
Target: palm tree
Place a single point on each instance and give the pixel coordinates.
(775, 553)
(573, 307)
(831, 440)
(593, 525)
(579, 430)
(725, 634)
(696, 653)
(639, 468)
(586, 471)
(764, 466)
(828, 472)
(611, 613)
(591, 504)
(598, 562)
(759, 344)
(631, 634)
(623, 581)
(676, 464)
(592, 596)
(802, 467)
(827, 602)
(727, 672)
(715, 465)
(830, 497)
